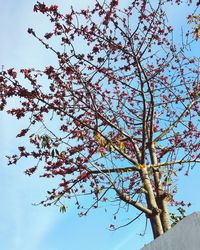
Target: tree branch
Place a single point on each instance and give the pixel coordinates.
(173, 162)
(174, 123)
(114, 170)
(128, 200)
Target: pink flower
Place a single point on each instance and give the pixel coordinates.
(12, 73)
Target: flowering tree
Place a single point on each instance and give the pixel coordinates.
(118, 111)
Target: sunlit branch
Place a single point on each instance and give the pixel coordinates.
(174, 162)
(114, 170)
(128, 200)
(175, 123)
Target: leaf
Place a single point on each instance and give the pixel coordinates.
(57, 152)
(197, 32)
(53, 153)
(176, 134)
(167, 180)
(121, 146)
(174, 173)
(101, 154)
(109, 147)
(63, 209)
(44, 144)
(45, 141)
(62, 154)
(102, 142)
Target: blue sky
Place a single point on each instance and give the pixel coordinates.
(27, 227)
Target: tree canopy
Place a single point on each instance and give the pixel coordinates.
(116, 118)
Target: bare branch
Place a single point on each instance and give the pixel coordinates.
(174, 123)
(173, 162)
(127, 223)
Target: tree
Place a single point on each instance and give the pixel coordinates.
(118, 111)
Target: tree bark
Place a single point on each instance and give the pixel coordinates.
(165, 219)
(156, 226)
(155, 219)
(161, 196)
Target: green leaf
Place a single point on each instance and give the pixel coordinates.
(167, 180)
(53, 153)
(63, 209)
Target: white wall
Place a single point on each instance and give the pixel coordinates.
(184, 236)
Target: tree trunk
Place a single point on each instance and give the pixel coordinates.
(161, 197)
(156, 226)
(155, 219)
(165, 219)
